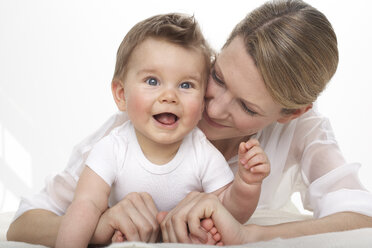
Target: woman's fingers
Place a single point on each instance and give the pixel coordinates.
(126, 216)
(180, 223)
(135, 217)
(148, 209)
(142, 212)
(149, 203)
(174, 226)
(229, 230)
(204, 209)
(172, 238)
(181, 229)
(172, 223)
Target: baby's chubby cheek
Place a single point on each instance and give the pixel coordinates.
(136, 102)
(193, 113)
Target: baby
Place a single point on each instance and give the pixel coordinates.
(160, 78)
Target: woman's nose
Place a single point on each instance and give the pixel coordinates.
(218, 106)
(168, 96)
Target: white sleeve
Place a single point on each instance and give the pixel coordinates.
(215, 172)
(103, 159)
(58, 192)
(56, 196)
(81, 151)
(333, 184)
(335, 192)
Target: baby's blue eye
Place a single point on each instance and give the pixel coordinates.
(185, 85)
(152, 81)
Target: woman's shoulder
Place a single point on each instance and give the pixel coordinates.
(312, 114)
(314, 125)
(307, 121)
(279, 137)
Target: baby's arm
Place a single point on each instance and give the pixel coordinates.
(241, 197)
(81, 218)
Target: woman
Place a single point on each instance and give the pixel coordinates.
(263, 84)
(290, 53)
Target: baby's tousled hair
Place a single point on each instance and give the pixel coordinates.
(176, 28)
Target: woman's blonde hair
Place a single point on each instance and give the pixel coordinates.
(176, 28)
(294, 47)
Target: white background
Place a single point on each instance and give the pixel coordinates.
(57, 59)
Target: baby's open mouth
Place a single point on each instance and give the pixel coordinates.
(166, 118)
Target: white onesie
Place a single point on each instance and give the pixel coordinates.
(197, 166)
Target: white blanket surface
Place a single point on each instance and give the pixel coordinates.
(354, 238)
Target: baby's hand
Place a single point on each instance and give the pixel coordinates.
(254, 165)
(213, 236)
(118, 237)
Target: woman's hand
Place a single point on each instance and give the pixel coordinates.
(190, 212)
(230, 230)
(174, 224)
(134, 217)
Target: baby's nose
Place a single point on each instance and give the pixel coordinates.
(168, 96)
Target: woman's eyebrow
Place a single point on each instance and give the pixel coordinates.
(214, 66)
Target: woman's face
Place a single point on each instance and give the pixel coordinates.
(237, 101)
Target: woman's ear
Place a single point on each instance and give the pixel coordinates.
(117, 88)
(296, 113)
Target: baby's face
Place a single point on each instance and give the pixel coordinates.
(164, 90)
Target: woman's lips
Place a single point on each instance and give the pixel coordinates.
(210, 121)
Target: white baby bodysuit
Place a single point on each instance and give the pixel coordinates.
(197, 166)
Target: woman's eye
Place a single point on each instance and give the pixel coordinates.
(216, 78)
(152, 81)
(247, 110)
(185, 85)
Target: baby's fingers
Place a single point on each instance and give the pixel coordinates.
(118, 237)
(244, 147)
(260, 169)
(254, 178)
(249, 161)
(251, 143)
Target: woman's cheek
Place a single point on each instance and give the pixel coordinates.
(249, 125)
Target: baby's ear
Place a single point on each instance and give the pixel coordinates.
(117, 88)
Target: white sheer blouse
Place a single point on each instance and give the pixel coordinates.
(304, 158)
